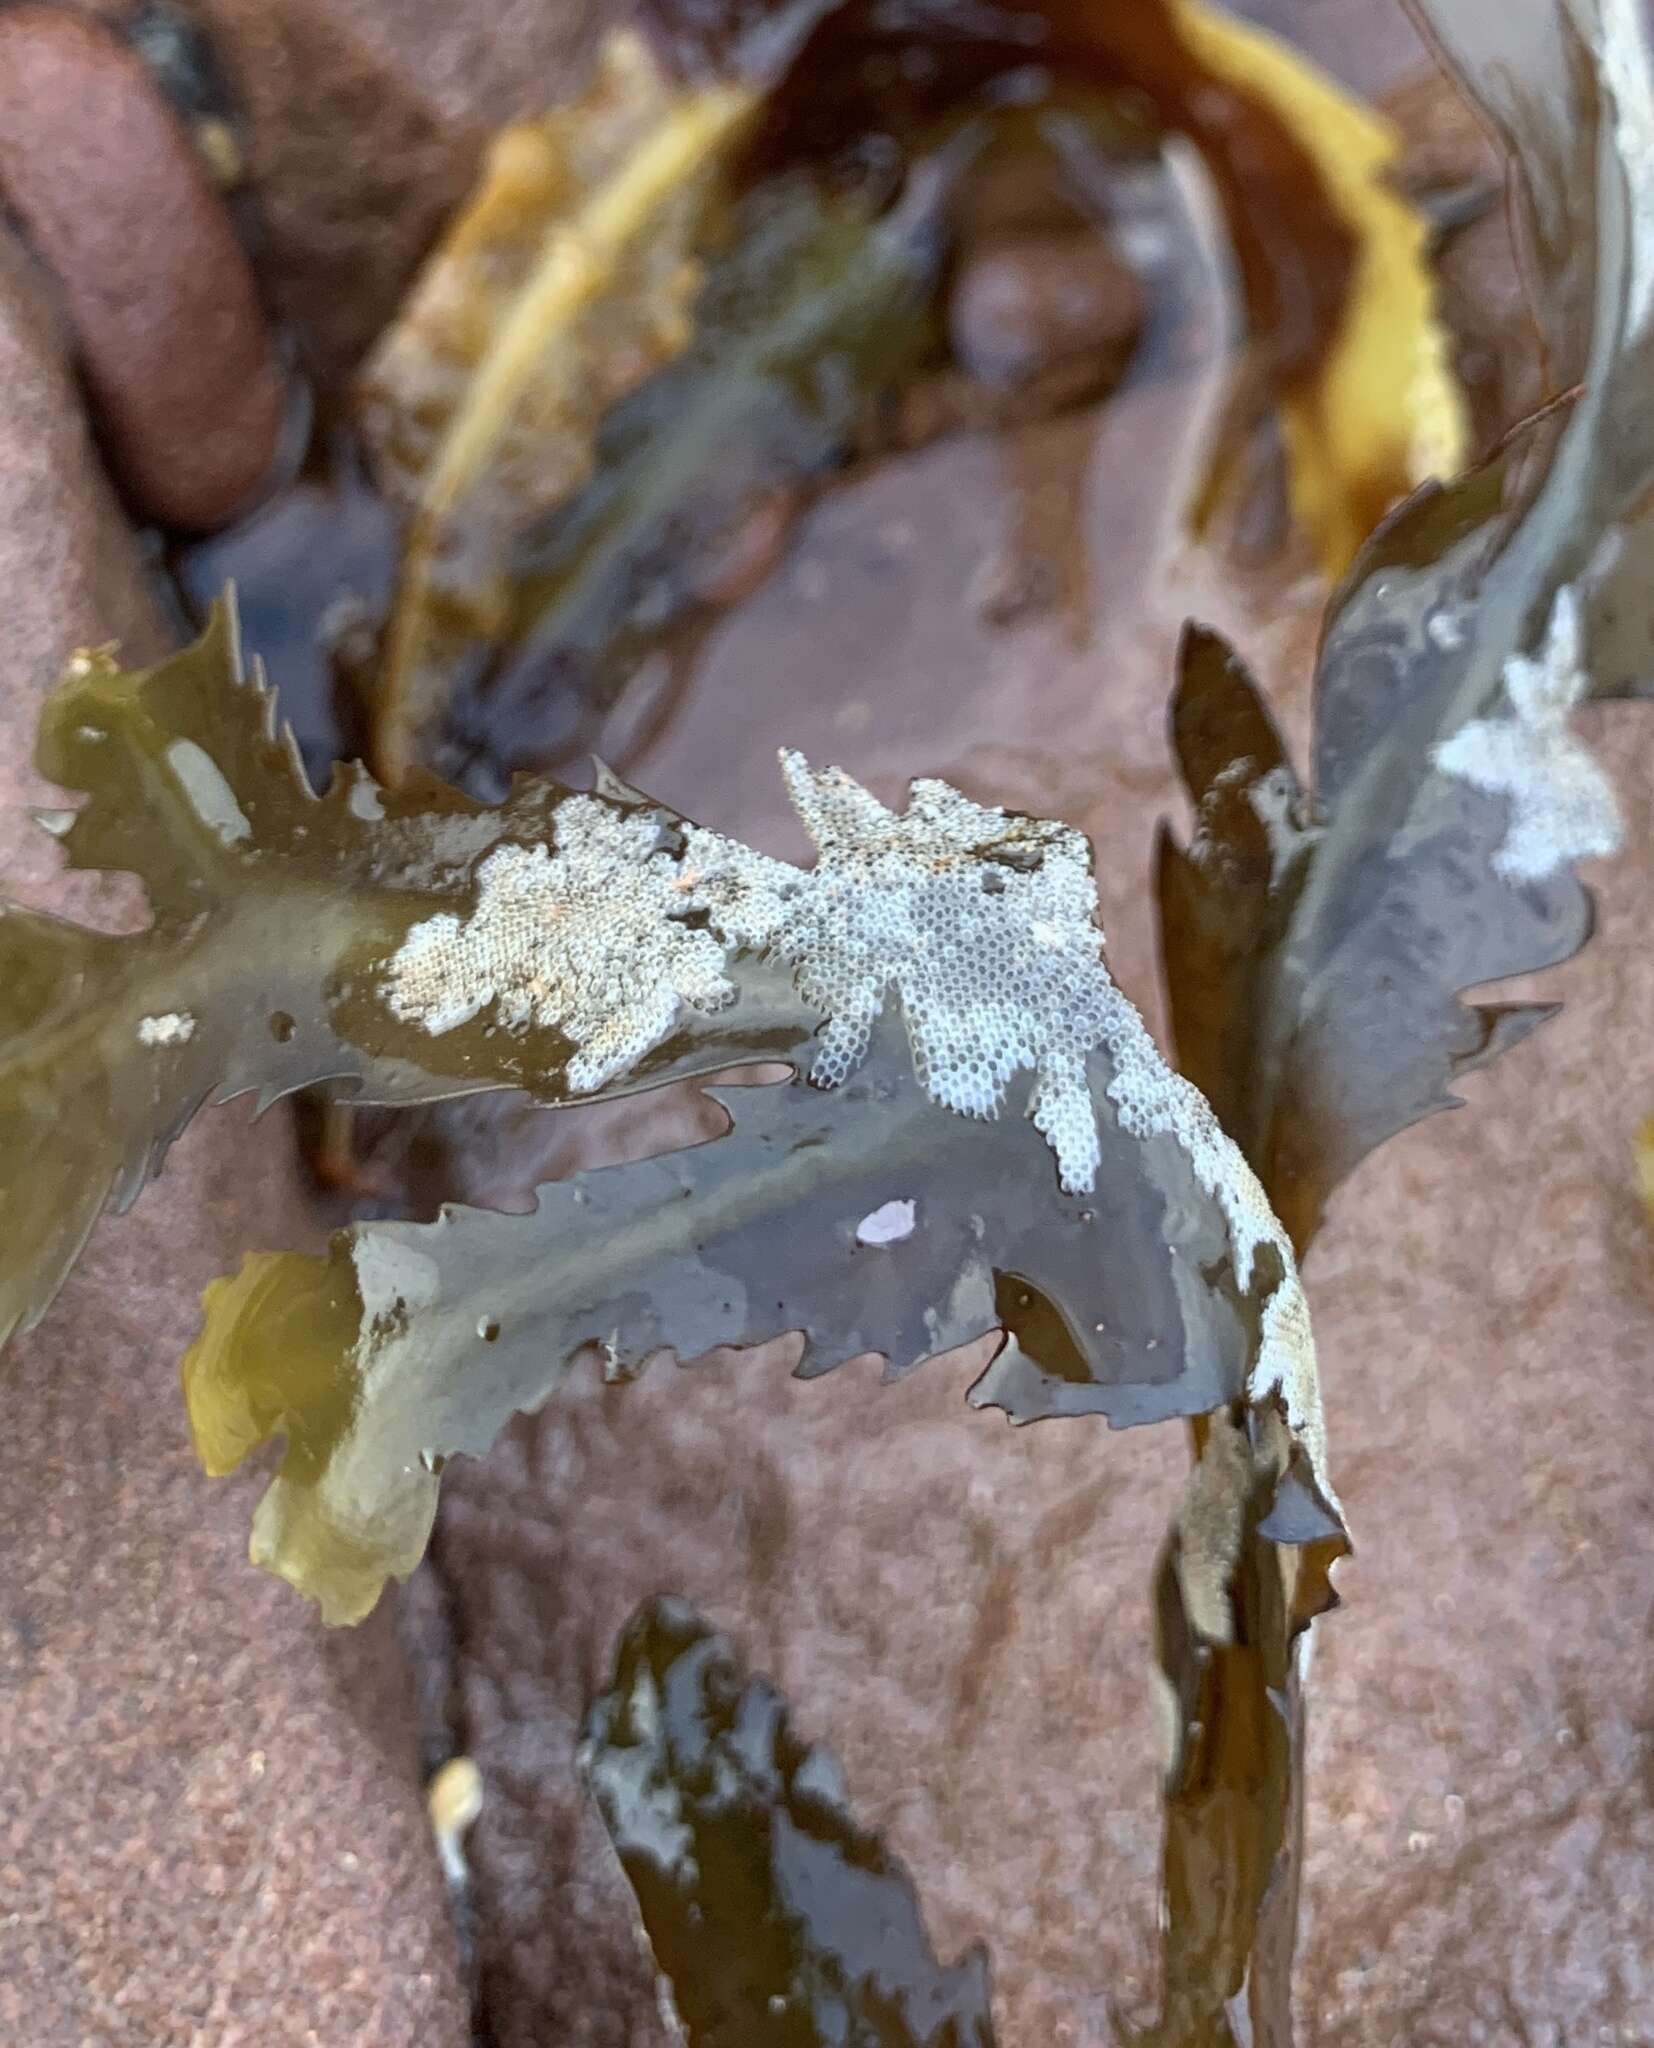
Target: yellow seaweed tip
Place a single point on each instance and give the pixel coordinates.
(1384, 411)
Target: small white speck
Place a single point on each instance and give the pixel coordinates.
(208, 789)
(1445, 629)
(888, 1224)
(175, 1028)
(1275, 804)
(364, 800)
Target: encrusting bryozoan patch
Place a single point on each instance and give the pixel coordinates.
(981, 922)
(1562, 806)
(589, 940)
(1152, 1098)
(177, 1027)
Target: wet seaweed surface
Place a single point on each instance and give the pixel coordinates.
(775, 1918)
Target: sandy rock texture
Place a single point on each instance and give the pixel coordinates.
(211, 1830)
(366, 121)
(157, 291)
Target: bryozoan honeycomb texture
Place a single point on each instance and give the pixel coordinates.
(589, 940)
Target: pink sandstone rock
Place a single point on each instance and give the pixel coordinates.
(104, 183)
(211, 1829)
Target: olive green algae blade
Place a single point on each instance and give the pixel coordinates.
(1318, 935)
(273, 915)
(1318, 940)
(865, 1216)
(776, 1918)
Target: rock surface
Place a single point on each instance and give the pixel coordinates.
(102, 179)
(366, 123)
(211, 1831)
(1027, 308)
